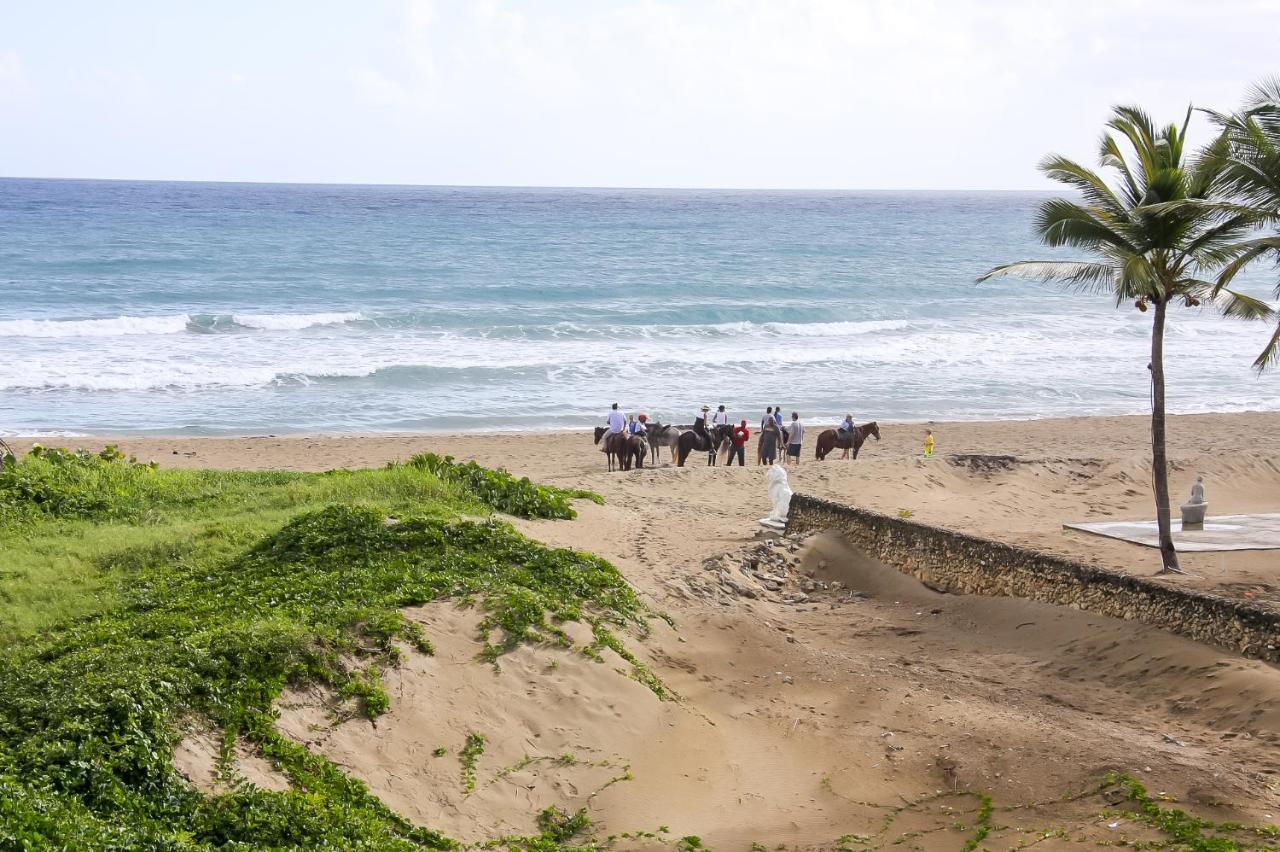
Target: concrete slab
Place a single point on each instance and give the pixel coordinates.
(1221, 532)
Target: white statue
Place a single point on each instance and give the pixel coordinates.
(1195, 509)
(779, 496)
(1197, 492)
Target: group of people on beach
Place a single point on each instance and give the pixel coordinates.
(778, 437)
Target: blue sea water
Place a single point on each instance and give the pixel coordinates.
(245, 308)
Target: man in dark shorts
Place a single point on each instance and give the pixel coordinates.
(795, 437)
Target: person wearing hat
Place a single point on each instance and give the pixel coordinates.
(700, 420)
(721, 417)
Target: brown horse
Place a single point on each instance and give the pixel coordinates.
(631, 451)
(833, 440)
(623, 448)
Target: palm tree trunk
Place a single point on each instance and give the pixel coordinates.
(1159, 461)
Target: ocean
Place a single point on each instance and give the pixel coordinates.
(188, 308)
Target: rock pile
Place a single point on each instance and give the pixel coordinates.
(770, 570)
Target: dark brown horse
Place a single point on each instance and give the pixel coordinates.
(841, 440)
(621, 447)
(708, 442)
(631, 451)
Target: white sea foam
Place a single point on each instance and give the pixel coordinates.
(40, 433)
(294, 322)
(835, 329)
(115, 327)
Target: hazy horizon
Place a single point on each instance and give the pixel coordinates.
(1042, 190)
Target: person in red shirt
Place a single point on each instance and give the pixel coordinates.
(741, 434)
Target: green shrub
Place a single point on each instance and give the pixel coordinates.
(215, 620)
(502, 491)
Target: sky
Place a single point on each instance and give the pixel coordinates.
(805, 94)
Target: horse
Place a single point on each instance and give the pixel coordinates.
(625, 448)
(663, 436)
(632, 451)
(709, 442)
(611, 447)
(833, 440)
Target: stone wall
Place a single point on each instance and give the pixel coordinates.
(957, 562)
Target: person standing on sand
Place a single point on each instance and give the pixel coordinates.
(767, 425)
(928, 443)
(795, 436)
(741, 434)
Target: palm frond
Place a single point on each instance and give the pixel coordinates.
(1265, 93)
(1111, 156)
(1088, 182)
(1215, 244)
(1064, 223)
(1229, 303)
(1246, 253)
(1081, 275)
(1270, 356)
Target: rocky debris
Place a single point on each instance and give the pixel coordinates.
(768, 570)
(979, 463)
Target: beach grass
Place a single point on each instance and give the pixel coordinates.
(62, 530)
(136, 598)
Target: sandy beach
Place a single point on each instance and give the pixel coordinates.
(799, 724)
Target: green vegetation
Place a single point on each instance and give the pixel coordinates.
(982, 825)
(469, 757)
(136, 598)
(1184, 830)
(1156, 236)
(501, 490)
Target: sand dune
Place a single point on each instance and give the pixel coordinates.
(846, 714)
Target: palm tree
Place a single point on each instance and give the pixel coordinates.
(1251, 179)
(1147, 249)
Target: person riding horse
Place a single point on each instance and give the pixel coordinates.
(847, 430)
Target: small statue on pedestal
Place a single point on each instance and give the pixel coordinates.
(1194, 510)
(779, 496)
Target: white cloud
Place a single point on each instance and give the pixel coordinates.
(797, 93)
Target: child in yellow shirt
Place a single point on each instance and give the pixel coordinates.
(928, 443)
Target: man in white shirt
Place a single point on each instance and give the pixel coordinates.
(721, 417)
(795, 435)
(617, 422)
